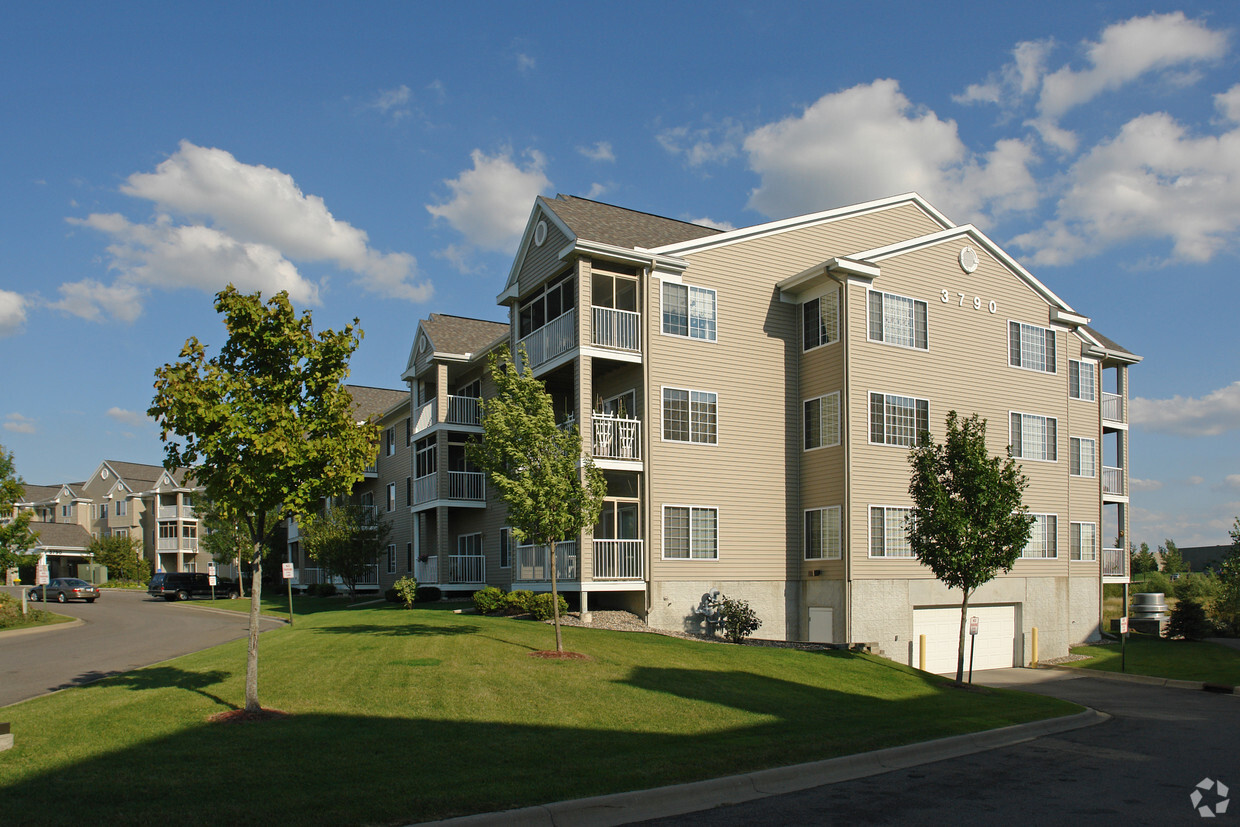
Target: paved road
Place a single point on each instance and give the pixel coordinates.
(1138, 768)
(121, 631)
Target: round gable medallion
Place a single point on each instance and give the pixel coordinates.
(968, 259)
(540, 233)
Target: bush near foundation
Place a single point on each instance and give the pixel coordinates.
(738, 620)
(541, 607)
(518, 602)
(489, 600)
(1188, 620)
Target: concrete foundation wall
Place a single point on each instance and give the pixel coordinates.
(673, 604)
(820, 593)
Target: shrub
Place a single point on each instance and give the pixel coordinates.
(1155, 581)
(1202, 588)
(518, 602)
(322, 589)
(11, 613)
(406, 590)
(1188, 620)
(489, 600)
(541, 607)
(428, 594)
(738, 620)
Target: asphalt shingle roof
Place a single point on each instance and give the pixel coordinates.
(1109, 344)
(368, 402)
(458, 334)
(595, 221)
(61, 535)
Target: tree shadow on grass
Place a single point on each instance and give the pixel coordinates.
(409, 630)
(169, 677)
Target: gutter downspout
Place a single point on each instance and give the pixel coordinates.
(648, 405)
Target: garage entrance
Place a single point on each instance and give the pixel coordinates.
(994, 648)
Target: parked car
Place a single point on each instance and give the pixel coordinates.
(64, 589)
(183, 585)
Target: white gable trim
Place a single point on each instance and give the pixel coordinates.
(527, 238)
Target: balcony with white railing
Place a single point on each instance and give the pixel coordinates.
(552, 339)
(1112, 480)
(1112, 407)
(466, 568)
(426, 489)
(1114, 563)
(533, 563)
(464, 410)
(620, 329)
(616, 438)
(313, 575)
(466, 485)
(167, 512)
(426, 572)
(619, 560)
(425, 416)
(177, 544)
(372, 470)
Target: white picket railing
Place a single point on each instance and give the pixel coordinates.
(1112, 480)
(427, 572)
(616, 438)
(619, 560)
(533, 563)
(466, 485)
(1112, 407)
(616, 328)
(1113, 562)
(426, 489)
(549, 341)
(466, 568)
(464, 410)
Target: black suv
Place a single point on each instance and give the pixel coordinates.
(182, 585)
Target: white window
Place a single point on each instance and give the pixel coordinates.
(469, 545)
(1043, 539)
(103, 511)
(1034, 437)
(189, 531)
(66, 511)
(689, 311)
(391, 558)
(167, 531)
(1081, 377)
(121, 507)
(690, 533)
(389, 441)
(1083, 540)
(553, 300)
(897, 420)
(424, 458)
(391, 496)
(822, 421)
(1081, 455)
(822, 533)
(889, 532)
(120, 532)
(897, 320)
(505, 548)
(690, 416)
(1031, 347)
(821, 321)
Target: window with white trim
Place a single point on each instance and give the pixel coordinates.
(820, 320)
(389, 441)
(167, 531)
(897, 420)
(469, 545)
(1031, 347)
(1034, 437)
(1082, 376)
(103, 511)
(391, 558)
(121, 507)
(1043, 538)
(690, 416)
(391, 496)
(822, 421)
(689, 311)
(555, 298)
(505, 548)
(897, 320)
(1081, 457)
(889, 532)
(66, 510)
(408, 556)
(189, 531)
(408, 491)
(690, 533)
(1083, 541)
(822, 533)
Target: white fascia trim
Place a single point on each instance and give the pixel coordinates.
(527, 238)
(912, 244)
(1066, 318)
(843, 270)
(626, 255)
(786, 224)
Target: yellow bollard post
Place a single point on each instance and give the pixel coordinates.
(921, 652)
(1035, 647)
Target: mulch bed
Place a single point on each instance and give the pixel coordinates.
(240, 716)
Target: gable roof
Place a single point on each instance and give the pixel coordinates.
(1109, 345)
(368, 402)
(140, 475)
(460, 335)
(621, 227)
(35, 494)
(61, 536)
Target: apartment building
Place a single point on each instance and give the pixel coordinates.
(751, 396)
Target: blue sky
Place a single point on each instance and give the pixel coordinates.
(379, 161)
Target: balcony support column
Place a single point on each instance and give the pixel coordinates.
(586, 615)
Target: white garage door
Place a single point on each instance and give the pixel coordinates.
(995, 646)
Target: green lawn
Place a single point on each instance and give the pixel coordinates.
(1180, 659)
(399, 716)
(35, 617)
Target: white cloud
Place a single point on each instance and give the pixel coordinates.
(710, 222)
(597, 189)
(19, 424)
(525, 62)
(870, 141)
(394, 102)
(491, 202)
(1215, 413)
(601, 151)
(713, 144)
(94, 301)
(1195, 480)
(134, 418)
(12, 312)
(1144, 485)
(1232, 481)
(1017, 79)
(1125, 52)
(1228, 104)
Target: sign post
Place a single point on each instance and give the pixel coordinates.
(1123, 643)
(972, 640)
(211, 578)
(287, 568)
(41, 578)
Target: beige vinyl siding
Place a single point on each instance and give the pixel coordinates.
(965, 369)
(1084, 420)
(823, 474)
(541, 262)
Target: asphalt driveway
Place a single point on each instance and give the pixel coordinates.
(123, 630)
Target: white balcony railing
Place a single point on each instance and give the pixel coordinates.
(616, 328)
(466, 568)
(534, 563)
(466, 485)
(1112, 407)
(1112, 480)
(167, 512)
(1113, 560)
(426, 489)
(616, 438)
(312, 575)
(427, 571)
(177, 544)
(464, 410)
(424, 417)
(549, 341)
(618, 560)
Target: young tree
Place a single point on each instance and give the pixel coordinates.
(551, 490)
(1143, 561)
(1172, 560)
(346, 540)
(1228, 604)
(266, 424)
(16, 538)
(122, 556)
(227, 540)
(968, 522)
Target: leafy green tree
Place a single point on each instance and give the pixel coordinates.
(346, 540)
(551, 490)
(968, 522)
(266, 424)
(1143, 561)
(227, 539)
(16, 538)
(1228, 603)
(123, 557)
(1172, 560)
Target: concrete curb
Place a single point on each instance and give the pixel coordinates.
(231, 612)
(1148, 680)
(34, 630)
(662, 802)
